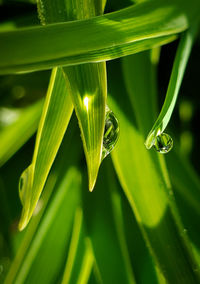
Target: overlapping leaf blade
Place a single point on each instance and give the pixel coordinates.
(38, 245)
(100, 38)
(86, 83)
(55, 118)
(104, 232)
(179, 66)
(144, 182)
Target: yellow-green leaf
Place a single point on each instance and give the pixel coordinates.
(148, 190)
(87, 85)
(53, 124)
(99, 38)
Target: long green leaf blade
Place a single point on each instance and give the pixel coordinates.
(60, 181)
(102, 231)
(87, 85)
(88, 88)
(55, 118)
(62, 208)
(100, 38)
(147, 190)
(180, 64)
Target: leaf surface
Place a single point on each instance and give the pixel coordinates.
(56, 114)
(100, 38)
(147, 189)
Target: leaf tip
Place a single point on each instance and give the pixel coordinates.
(92, 182)
(23, 222)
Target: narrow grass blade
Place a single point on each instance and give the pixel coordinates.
(13, 136)
(87, 265)
(149, 197)
(143, 105)
(116, 204)
(102, 231)
(88, 88)
(55, 118)
(58, 178)
(87, 85)
(99, 38)
(76, 250)
(179, 66)
(43, 245)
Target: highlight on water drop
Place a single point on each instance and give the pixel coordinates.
(163, 143)
(111, 133)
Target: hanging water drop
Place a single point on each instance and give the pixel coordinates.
(111, 133)
(25, 183)
(163, 143)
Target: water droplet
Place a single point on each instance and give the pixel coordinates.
(25, 183)
(111, 133)
(163, 143)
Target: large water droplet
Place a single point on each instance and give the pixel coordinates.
(25, 183)
(111, 133)
(163, 143)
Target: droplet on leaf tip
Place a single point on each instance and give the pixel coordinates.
(111, 133)
(163, 143)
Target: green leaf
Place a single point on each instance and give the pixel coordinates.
(100, 38)
(103, 232)
(53, 124)
(13, 136)
(77, 250)
(87, 265)
(35, 267)
(57, 206)
(147, 189)
(144, 112)
(179, 66)
(87, 85)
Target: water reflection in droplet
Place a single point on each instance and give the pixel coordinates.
(111, 133)
(163, 143)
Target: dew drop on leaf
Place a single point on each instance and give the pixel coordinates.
(111, 133)
(163, 143)
(25, 183)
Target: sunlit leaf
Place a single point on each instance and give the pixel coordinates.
(100, 38)
(180, 63)
(87, 85)
(62, 186)
(53, 124)
(145, 185)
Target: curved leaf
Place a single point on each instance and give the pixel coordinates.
(147, 189)
(179, 66)
(96, 39)
(55, 118)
